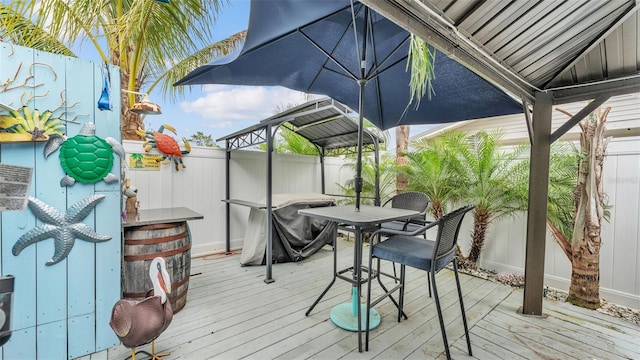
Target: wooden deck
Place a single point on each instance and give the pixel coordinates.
(232, 314)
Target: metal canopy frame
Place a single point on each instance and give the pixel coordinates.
(512, 45)
(326, 123)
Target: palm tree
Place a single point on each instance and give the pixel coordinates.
(434, 169)
(292, 143)
(488, 175)
(154, 42)
(387, 180)
(563, 170)
(458, 168)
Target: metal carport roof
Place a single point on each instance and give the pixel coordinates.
(326, 123)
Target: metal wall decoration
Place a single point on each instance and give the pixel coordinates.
(165, 144)
(64, 228)
(85, 157)
(26, 123)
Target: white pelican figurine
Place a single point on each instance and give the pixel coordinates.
(139, 322)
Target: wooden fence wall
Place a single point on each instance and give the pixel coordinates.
(61, 310)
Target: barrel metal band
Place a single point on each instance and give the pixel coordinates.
(154, 255)
(156, 240)
(179, 296)
(157, 226)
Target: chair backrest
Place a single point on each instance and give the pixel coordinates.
(448, 229)
(411, 200)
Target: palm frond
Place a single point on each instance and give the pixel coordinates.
(19, 30)
(177, 69)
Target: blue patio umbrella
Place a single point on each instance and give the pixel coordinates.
(342, 49)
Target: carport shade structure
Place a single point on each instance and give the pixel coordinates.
(352, 54)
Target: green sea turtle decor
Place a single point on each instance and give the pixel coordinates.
(64, 228)
(85, 157)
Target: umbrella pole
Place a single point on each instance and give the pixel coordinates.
(358, 179)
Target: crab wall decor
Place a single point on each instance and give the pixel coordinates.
(165, 144)
(85, 157)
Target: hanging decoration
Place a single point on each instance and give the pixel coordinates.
(104, 103)
(64, 228)
(85, 157)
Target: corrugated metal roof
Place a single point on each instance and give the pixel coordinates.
(324, 122)
(528, 45)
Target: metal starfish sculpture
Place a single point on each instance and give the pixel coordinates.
(63, 228)
(37, 134)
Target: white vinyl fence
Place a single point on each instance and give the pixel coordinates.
(201, 187)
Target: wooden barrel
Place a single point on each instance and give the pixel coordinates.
(144, 243)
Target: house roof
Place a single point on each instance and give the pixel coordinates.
(576, 48)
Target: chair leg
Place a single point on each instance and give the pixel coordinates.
(395, 275)
(442, 330)
(429, 283)
(386, 290)
(401, 300)
(464, 316)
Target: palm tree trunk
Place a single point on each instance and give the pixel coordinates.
(585, 246)
(130, 120)
(481, 222)
(402, 145)
(585, 277)
(437, 210)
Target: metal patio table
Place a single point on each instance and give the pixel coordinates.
(349, 315)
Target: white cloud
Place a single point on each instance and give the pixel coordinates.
(223, 104)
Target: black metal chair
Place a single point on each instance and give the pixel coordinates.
(405, 249)
(411, 200)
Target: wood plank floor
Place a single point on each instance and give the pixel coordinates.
(232, 314)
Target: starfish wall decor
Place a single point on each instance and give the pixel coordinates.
(63, 228)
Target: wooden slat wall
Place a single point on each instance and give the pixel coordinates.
(62, 310)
